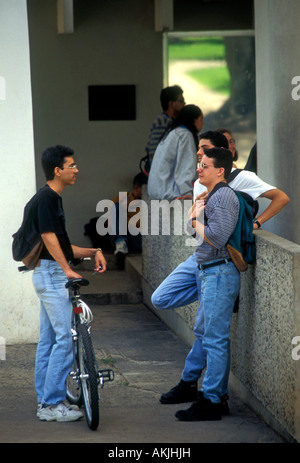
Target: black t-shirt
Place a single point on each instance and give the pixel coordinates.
(45, 212)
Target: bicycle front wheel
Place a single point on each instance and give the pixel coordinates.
(88, 376)
(74, 389)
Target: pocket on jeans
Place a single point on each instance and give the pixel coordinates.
(38, 282)
(58, 278)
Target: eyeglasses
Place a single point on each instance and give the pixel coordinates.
(74, 167)
(202, 165)
(181, 100)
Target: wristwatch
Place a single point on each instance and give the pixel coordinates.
(257, 223)
(96, 250)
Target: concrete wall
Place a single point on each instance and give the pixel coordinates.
(263, 370)
(19, 313)
(278, 115)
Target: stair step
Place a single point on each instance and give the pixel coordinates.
(111, 287)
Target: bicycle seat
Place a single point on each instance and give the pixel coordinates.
(74, 283)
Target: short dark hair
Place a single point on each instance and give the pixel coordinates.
(169, 94)
(54, 156)
(221, 158)
(216, 138)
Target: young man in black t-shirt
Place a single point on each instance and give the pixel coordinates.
(54, 353)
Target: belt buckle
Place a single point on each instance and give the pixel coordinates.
(212, 264)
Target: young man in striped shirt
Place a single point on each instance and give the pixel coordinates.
(172, 101)
(219, 280)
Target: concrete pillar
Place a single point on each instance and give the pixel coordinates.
(278, 109)
(19, 312)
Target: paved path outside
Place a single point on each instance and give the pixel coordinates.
(147, 359)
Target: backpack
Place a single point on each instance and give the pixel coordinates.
(241, 244)
(145, 166)
(252, 202)
(27, 247)
(27, 243)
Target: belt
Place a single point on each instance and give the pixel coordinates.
(212, 264)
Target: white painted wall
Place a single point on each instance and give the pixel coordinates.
(19, 311)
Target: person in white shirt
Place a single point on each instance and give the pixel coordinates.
(247, 182)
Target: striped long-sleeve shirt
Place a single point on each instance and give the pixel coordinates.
(159, 126)
(222, 212)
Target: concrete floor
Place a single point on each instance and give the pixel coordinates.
(147, 359)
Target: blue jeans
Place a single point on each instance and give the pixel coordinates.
(54, 352)
(182, 287)
(220, 287)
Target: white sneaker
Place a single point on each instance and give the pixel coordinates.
(121, 246)
(72, 406)
(60, 412)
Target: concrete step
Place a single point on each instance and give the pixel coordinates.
(113, 286)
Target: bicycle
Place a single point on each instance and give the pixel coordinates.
(85, 378)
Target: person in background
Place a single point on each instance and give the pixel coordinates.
(172, 101)
(173, 169)
(251, 163)
(125, 243)
(231, 144)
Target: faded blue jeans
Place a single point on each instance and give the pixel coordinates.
(187, 284)
(54, 352)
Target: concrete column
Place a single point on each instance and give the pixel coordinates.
(19, 312)
(278, 111)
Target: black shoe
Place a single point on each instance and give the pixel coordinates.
(202, 410)
(223, 405)
(183, 392)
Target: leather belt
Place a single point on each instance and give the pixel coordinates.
(212, 264)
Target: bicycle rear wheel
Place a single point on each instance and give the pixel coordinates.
(89, 379)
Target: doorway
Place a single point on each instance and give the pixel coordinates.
(217, 73)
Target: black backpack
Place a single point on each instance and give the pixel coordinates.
(145, 166)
